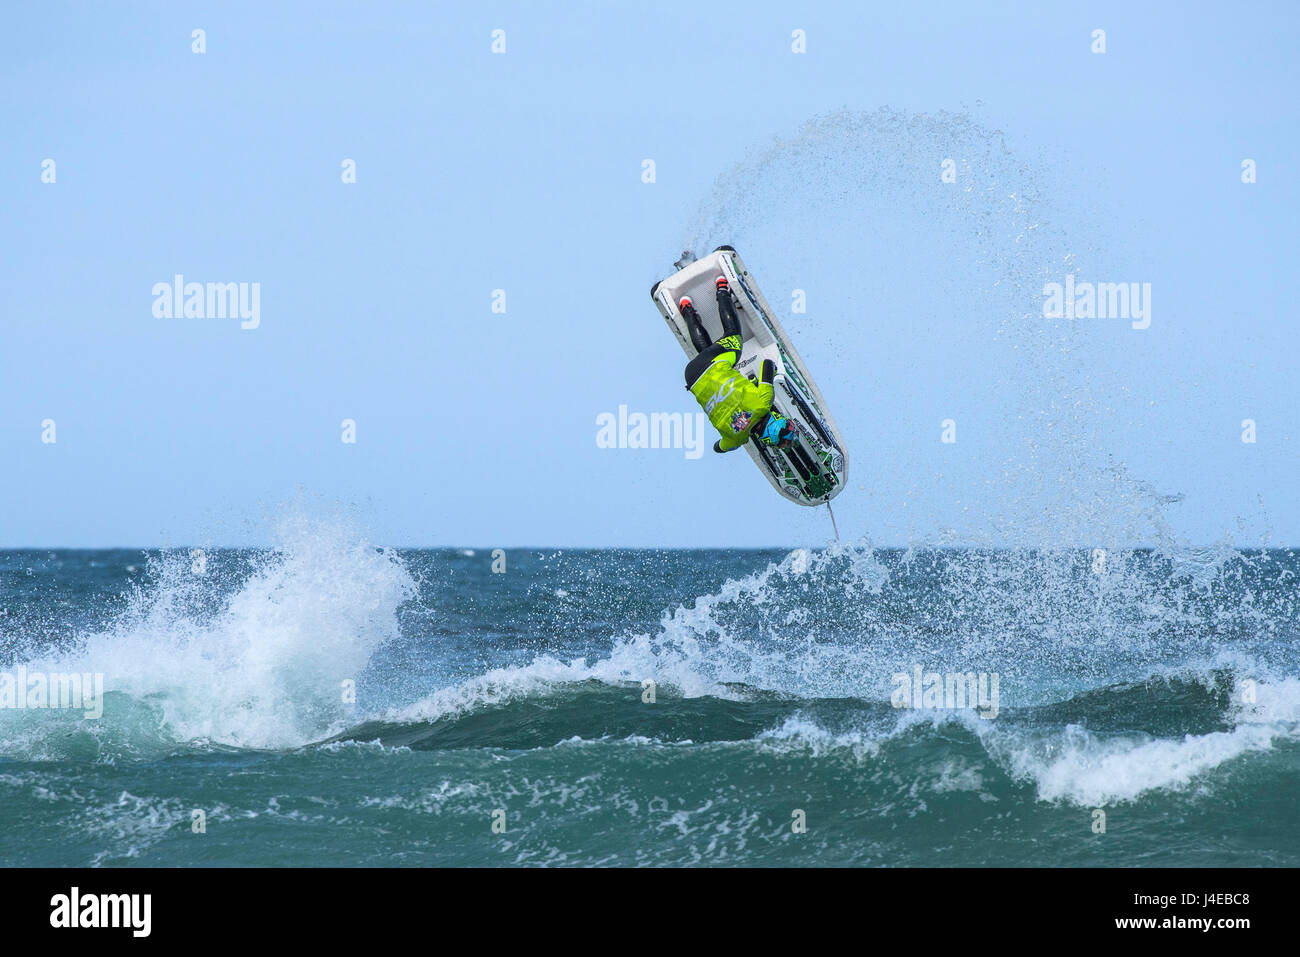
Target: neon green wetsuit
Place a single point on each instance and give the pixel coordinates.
(732, 402)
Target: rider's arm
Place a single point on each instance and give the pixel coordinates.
(730, 442)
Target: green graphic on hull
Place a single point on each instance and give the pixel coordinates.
(818, 486)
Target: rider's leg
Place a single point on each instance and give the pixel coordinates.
(699, 338)
(727, 310)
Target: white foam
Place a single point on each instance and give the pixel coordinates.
(802, 734)
(1084, 769)
(264, 666)
(1088, 769)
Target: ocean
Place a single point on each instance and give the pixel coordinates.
(329, 702)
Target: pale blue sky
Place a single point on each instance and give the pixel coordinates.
(522, 171)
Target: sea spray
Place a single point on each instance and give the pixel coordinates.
(906, 274)
(260, 660)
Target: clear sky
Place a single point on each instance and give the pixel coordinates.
(523, 171)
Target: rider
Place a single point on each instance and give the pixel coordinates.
(738, 408)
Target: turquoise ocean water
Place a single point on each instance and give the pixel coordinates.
(652, 707)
